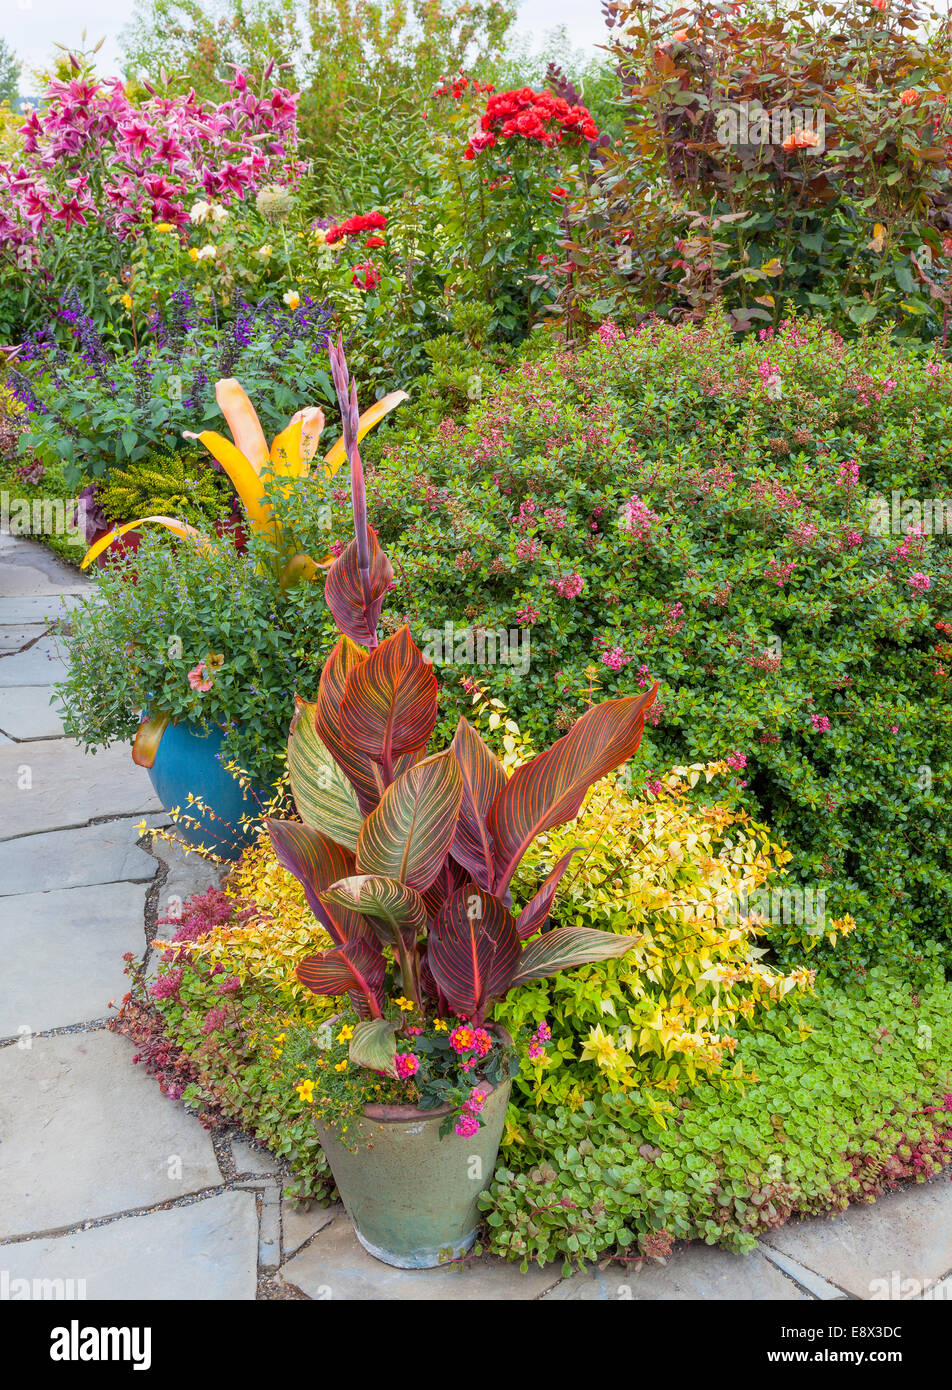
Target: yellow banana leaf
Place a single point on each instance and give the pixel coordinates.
(336, 455)
(178, 528)
(293, 449)
(244, 478)
(147, 740)
(301, 568)
(243, 422)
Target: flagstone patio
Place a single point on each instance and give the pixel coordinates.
(107, 1181)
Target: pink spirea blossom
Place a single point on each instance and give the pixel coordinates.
(568, 585)
(167, 985)
(527, 615)
(637, 518)
(527, 549)
(738, 761)
(214, 1019)
(848, 475)
(609, 332)
(820, 722)
(614, 658)
(919, 581)
(778, 572)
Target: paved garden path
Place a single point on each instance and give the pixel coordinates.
(105, 1180)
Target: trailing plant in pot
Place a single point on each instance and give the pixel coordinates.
(406, 857)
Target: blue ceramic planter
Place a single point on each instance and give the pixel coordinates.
(186, 762)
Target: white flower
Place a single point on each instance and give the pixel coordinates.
(199, 212)
(265, 251)
(207, 253)
(218, 214)
(292, 299)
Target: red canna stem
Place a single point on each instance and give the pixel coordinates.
(350, 417)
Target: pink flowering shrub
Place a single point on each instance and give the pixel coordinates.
(753, 552)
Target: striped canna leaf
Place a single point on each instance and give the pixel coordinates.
(357, 613)
(389, 704)
(568, 946)
(374, 1045)
(324, 798)
(356, 968)
(397, 913)
(473, 950)
(409, 835)
(357, 766)
(317, 862)
(549, 790)
(483, 780)
(533, 916)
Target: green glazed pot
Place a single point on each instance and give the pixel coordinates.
(411, 1195)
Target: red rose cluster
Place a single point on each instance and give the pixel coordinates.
(539, 116)
(372, 222)
(365, 276)
(459, 86)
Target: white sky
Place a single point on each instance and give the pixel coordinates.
(31, 27)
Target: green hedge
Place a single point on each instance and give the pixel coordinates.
(750, 543)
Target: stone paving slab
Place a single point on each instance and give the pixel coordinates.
(37, 608)
(185, 875)
(16, 635)
(335, 1266)
(86, 1134)
(249, 1159)
(19, 553)
(68, 787)
(297, 1225)
(692, 1272)
(40, 664)
(62, 954)
(28, 712)
(204, 1250)
(20, 578)
(906, 1236)
(106, 853)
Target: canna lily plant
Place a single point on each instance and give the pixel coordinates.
(250, 464)
(405, 855)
